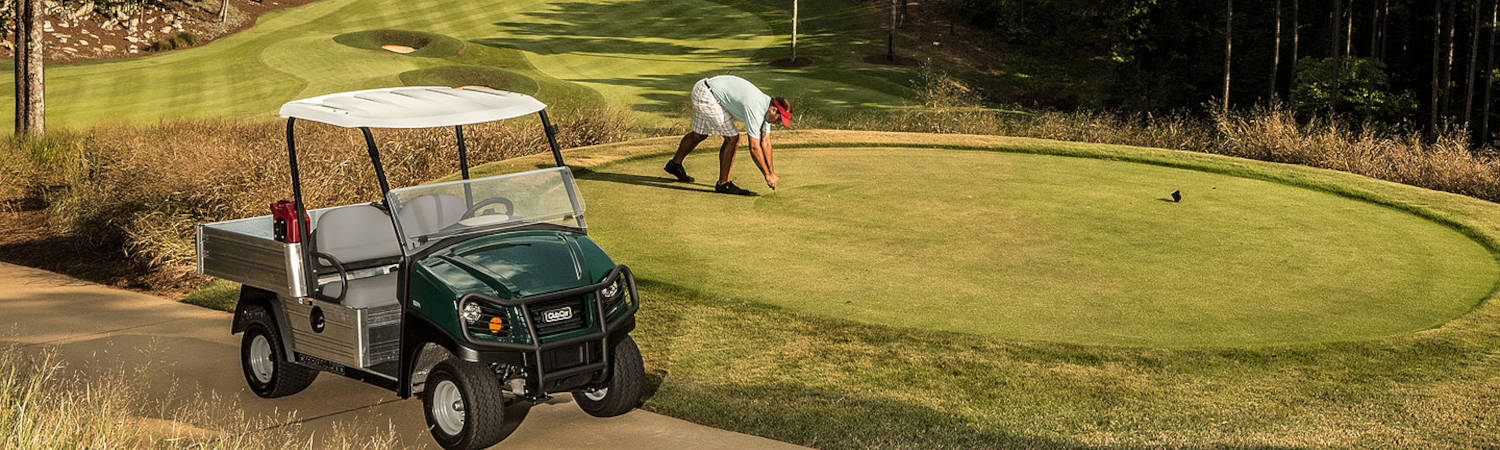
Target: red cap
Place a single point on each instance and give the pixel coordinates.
(783, 109)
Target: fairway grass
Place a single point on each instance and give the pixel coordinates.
(784, 369)
(1038, 247)
(620, 52)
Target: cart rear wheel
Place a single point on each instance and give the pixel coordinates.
(623, 391)
(266, 368)
(464, 404)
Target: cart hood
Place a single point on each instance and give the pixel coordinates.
(521, 264)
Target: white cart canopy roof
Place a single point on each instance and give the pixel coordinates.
(412, 107)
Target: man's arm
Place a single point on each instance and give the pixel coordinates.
(760, 152)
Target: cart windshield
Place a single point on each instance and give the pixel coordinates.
(429, 213)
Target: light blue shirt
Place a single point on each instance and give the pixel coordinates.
(744, 102)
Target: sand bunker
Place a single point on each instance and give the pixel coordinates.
(398, 48)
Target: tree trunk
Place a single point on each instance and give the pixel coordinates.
(36, 118)
(223, 11)
(1337, 17)
(890, 37)
(1349, 30)
(1276, 50)
(1374, 50)
(30, 110)
(1448, 61)
(1489, 77)
(794, 30)
(1296, 33)
(1228, 51)
(1385, 29)
(19, 14)
(1473, 63)
(1437, 62)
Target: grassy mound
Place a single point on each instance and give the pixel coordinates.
(430, 45)
(457, 76)
(1047, 248)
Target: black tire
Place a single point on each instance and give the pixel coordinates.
(285, 378)
(483, 407)
(623, 391)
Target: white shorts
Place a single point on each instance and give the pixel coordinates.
(709, 117)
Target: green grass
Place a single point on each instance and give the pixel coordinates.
(1037, 247)
(769, 364)
(623, 52)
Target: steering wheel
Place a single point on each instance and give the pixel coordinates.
(510, 208)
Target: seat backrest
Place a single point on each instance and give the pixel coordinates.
(356, 233)
(429, 214)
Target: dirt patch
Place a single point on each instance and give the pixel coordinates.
(96, 30)
(788, 63)
(402, 49)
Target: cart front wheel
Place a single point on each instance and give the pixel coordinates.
(464, 404)
(623, 391)
(266, 368)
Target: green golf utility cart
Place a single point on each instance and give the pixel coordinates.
(472, 293)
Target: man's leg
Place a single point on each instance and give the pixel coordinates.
(689, 142)
(674, 167)
(726, 157)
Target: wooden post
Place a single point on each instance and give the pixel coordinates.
(890, 38)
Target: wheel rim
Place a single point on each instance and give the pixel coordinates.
(596, 394)
(260, 359)
(448, 408)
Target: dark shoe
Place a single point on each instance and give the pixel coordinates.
(677, 171)
(729, 188)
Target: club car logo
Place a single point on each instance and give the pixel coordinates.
(559, 314)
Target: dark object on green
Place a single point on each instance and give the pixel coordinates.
(729, 188)
(1176, 196)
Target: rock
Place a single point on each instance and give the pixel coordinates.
(134, 50)
(132, 39)
(107, 48)
(166, 30)
(150, 20)
(84, 43)
(83, 10)
(109, 24)
(70, 49)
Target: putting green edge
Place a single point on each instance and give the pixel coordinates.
(1457, 212)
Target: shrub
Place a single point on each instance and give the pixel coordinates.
(182, 39)
(1365, 94)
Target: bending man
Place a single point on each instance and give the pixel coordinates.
(717, 103)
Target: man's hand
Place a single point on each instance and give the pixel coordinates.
(772, 180)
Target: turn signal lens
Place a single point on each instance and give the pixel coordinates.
(497, 325)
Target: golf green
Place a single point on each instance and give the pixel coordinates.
(1039, 247)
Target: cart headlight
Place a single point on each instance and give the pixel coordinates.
(611, 291)
(471, 313)
(612, 294)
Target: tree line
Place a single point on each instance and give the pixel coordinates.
(1398, 64)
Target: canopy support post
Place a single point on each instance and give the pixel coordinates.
(463, 152)
(385, 188)
(463, 165)
(298, 207)
(551, 138)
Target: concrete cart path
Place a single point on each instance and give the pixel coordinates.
(183, 353)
